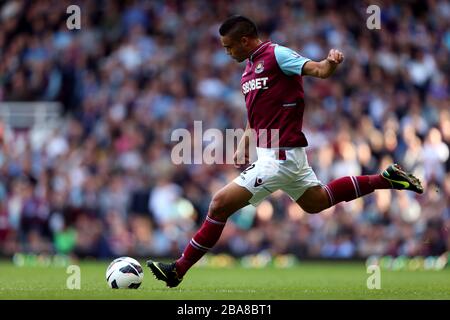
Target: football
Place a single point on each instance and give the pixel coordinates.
(124, 273)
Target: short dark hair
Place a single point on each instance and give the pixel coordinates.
(238, 26)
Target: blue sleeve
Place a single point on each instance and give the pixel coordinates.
(290, 62)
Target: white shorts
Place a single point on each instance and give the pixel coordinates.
(267, 174)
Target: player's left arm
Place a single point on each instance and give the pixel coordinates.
(325, 68)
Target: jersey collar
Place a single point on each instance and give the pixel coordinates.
(258, 50)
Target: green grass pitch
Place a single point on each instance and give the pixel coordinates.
(308, 280)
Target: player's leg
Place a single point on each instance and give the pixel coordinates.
(255, 183)
(314, 200)
(318, 198)
(224, 203)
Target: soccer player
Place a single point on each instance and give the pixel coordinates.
(273, 91)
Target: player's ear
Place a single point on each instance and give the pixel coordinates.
(244, 41)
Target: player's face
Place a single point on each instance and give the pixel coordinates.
(235, 48)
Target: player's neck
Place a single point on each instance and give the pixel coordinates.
(254, 45)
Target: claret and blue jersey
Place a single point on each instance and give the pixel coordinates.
(273, 90)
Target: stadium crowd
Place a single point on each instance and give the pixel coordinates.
(103, 183)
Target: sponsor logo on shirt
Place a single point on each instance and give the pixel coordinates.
(254, 84)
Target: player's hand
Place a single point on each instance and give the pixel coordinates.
(335, 56)
(241, 158)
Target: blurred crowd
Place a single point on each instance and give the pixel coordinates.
(102, 184)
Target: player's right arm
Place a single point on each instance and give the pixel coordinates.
(292, 63)
(325, 68)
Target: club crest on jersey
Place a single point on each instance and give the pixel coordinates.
(259, 67)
